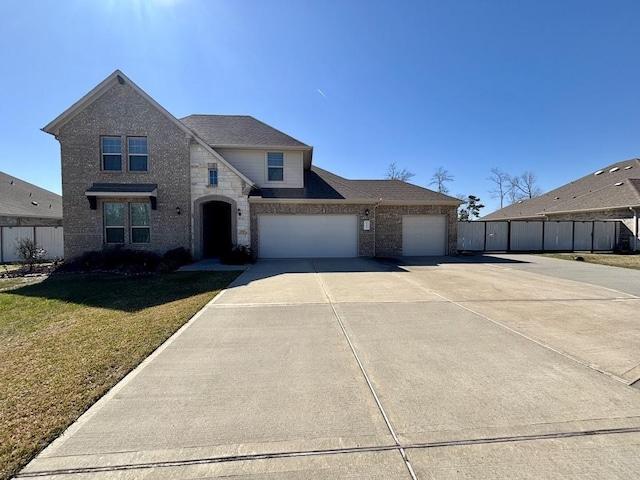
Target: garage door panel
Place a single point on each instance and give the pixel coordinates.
(424, 235)
(300, 236)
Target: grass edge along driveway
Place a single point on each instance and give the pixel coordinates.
(66, 341)
(611, 259)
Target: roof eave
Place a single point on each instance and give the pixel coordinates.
(314, 201)
(601, 209)
(448, 203)
(265, 147)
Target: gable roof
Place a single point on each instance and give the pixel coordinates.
(616, 186)
(321, 184)
(238, 130)
(118, 77)
(22, 199)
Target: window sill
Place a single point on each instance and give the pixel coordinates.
(211, 186)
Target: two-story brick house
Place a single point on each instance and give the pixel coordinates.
(135, 176)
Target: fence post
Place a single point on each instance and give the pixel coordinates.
(508, 236)
(593, 232)
(484, 237)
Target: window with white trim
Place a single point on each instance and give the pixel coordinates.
(138, 154)
(275, 166)
(114, 222)
(111, 153)
(140, 222)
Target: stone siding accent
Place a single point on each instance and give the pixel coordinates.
(231, 189)
(389, 228)
(122, 112)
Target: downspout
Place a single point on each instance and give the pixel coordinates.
(635, 228)
(375, 226)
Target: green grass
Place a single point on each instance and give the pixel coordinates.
(65, 341)
(611, 259)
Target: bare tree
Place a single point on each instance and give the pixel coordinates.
(439, 178)
(523, 187)
(503, 185)
(394, 173)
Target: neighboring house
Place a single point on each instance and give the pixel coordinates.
(135, 176)
(28, 211)
(612, 193)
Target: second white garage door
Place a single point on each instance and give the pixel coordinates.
(424, 235)
(300, 236)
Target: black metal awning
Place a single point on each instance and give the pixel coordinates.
(128, 190)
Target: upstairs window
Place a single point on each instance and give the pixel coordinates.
(111, 154)
(114, 222)
(275, 166)
(140, 223)
(213, 177)
(138, 158)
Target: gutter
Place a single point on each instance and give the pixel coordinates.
(375, 225)
(635, 227)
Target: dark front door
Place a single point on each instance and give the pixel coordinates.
(216, 229)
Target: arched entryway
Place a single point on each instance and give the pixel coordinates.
(214, 226)
(216, 229)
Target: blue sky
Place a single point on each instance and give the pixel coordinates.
(545, 86)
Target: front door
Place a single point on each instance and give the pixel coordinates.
(216, 229)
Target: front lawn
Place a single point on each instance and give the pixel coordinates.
(611, 259)
(65, 341)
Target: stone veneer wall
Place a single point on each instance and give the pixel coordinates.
(122, 112)
(365, 238)
(231, 189)
(389, 228)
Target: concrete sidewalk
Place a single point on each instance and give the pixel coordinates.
(359, 369)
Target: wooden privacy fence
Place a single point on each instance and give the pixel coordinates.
(49, 238)
(538, 236)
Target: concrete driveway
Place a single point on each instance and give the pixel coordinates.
(484, 367)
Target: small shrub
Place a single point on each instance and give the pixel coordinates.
(238, 255)
(29, 252)
(179, 255)
(118, 260)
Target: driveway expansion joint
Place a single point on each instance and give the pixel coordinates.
(366, 377)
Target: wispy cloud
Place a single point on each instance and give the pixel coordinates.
(321, 92)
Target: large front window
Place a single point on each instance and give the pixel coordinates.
(111, 153)
(114, 222)
(275, 166)
(140, 223)
(138, 155)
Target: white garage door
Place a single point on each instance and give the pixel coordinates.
(424, 235)
(300, 236)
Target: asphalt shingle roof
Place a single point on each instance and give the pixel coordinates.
(321, 184)
(22, 199)
(591, 192)
(228, 130)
